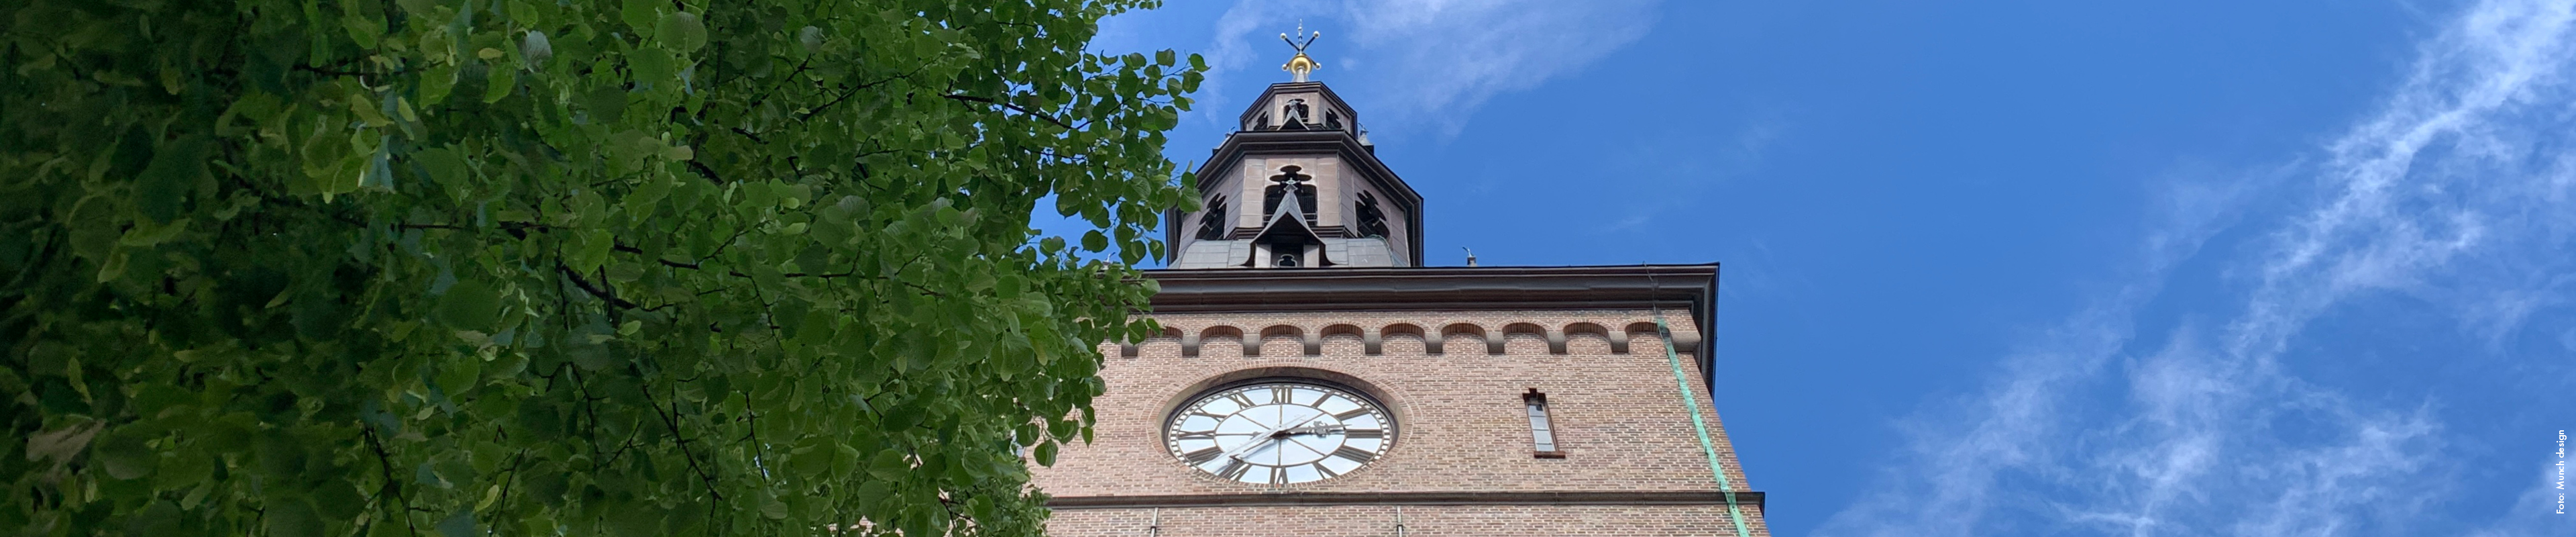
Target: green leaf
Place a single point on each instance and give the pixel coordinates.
(436, 83)
(176, 169)
(123, 453)
(681, 32)
(653, 67)
(639, 15)
(470, 305)
(590, 250)
(1045, 453)
(444, 165)
(290, 258)
(292, 517)
(888, 464)
(606, 104)
(338, 499)
(159, 518)
(459, 524)
(500, 85)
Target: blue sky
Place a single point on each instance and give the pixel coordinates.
(2086, 268)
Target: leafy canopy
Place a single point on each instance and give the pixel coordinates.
(561, 267)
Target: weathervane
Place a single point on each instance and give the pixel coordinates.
(1300, 65)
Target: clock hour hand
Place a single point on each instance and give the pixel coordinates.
(1318, 429)
(1265, 437)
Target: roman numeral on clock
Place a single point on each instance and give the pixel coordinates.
(1283, 394)
(1234, 469)
(1366, 433)
(1355, 455)
(1354, 413)
(1195, 435)
(1325, 471)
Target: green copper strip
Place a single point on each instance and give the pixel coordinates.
(1705, 444)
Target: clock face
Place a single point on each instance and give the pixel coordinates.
(1279, 432)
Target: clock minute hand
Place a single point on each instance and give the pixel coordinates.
(1256, 441)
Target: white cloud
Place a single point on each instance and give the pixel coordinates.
(1429, 61)
(2535, 512)
(2454, 191)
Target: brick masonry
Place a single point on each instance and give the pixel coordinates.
(1618, 417)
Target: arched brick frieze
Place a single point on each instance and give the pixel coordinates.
(1191, 345)
(1347, 334)
(1252, 347)
(1682, 339)
(1403, 331)
(1617, 341)
(1132, 348)
(1493, 339)
(1555, 341)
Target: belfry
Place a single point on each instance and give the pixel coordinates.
(1316, 378)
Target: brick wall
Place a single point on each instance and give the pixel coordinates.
(1618, 417)
(1418, 521)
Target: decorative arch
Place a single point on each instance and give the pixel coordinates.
(1555, 340)
(1130, 349)
(1190, 344)
(1493, 340)
(1646, 328)
(1314, 345)
(1368, 339)
(1618, 340)
(1429, 346)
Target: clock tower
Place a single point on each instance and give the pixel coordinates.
(1316, 379)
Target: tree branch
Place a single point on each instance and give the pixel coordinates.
(1013, 107)
(595, 291)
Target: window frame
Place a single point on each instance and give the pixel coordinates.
(1544, 443)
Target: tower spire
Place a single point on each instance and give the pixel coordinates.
(1301, 64)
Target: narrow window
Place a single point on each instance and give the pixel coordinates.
(1212, 224)
(1299, 114)
(1372, 219)
(1289, 180)
(1542, 433)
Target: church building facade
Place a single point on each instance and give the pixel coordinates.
(1316, 379)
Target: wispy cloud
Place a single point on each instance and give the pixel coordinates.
(2453, 192)
(1429, 61)
(1684, 182)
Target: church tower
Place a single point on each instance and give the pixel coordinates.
(1298, 186)
(1316, 379)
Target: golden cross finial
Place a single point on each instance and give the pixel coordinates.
(1300, 65)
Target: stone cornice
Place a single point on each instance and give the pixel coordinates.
(1603, 497)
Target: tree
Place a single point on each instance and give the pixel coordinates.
(553, 267)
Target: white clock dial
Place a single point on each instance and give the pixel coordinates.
(1279, 432)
